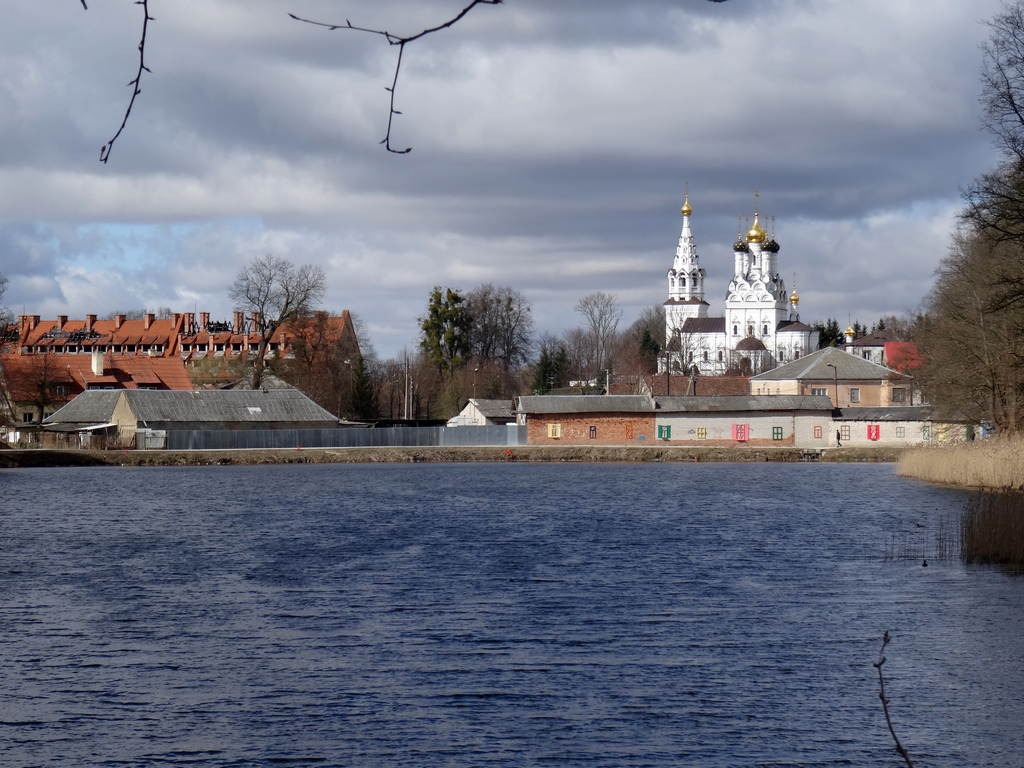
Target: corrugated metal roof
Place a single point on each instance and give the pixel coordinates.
(219, 405)
(585, 404)
(744, 403)
(93, 406)
(494, 409)
(817, 366)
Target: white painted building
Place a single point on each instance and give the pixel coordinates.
(760, 327)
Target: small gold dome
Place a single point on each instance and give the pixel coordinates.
(849, 331)
(756, 233)
(686, 210)
(794, 298)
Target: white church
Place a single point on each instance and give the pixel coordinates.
(761, 327)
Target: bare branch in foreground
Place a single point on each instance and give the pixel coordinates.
(885, 702)
(394, 39)
(134, 83)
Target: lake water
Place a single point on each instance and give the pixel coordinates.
(497, 615)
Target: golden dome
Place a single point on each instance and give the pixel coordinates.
(794, 298)
(686, 210)
(756, 233)
(849, 331)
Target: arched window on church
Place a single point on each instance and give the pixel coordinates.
(764, 329)
(750, 329)
(719, 355)
(690, 359)
(735, 330)
(705, 355)
(796, 353)
(682, 282)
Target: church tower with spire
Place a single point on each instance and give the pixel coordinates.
(685, 280)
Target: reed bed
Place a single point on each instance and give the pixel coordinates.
(992, 530)
(994, 464)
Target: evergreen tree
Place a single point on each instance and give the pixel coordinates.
(446, 330)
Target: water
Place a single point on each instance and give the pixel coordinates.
(496, 615)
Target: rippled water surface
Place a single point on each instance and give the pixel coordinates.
(496, 615)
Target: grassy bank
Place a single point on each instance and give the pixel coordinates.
(993, 464)
(527, 453)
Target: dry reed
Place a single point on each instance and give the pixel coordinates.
(992, 530)
(993, 464)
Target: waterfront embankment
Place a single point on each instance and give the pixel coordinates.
(525, 453)
(995, 464)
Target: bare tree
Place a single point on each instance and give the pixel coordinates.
(602, 314)
(275, 292)
(502, 327)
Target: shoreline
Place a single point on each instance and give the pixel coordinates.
(21, 458)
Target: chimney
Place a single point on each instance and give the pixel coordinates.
(204, 320)
(97, 362)
(257, 322)
(238, 326)
(118, 321)
(89, 320)
(190, 323)
(61, 321)
(147, 320)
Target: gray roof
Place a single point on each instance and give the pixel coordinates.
(494, 409)
(219, 405)
(892, 413)
(585, 404)
(744, 403)
(816, 366)
(97, 408)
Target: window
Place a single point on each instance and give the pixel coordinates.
(705, 355)
(854, 394)
(874, 431)
(741, 432)
(926, 432)
(592, 432)
(27, 416)
(818, 432)
(62, 390)
(702, 433)
(776, 433)
(901, 431)
(664, 431)
(735, 330)
(554, 431)
(899, 395)
(628, 431)
(844, 432)
(820, 391)
(719, 355)
(764, 329)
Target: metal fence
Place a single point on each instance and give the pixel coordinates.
(228, 439)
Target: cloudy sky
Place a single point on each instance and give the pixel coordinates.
(552, 143)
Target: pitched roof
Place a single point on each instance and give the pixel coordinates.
(23, 373)
(744, 403)
(585, 404)
(218, 405)
(494, 409)
(817, 366)
(92, 407)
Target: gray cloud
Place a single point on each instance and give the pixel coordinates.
(552, 143)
